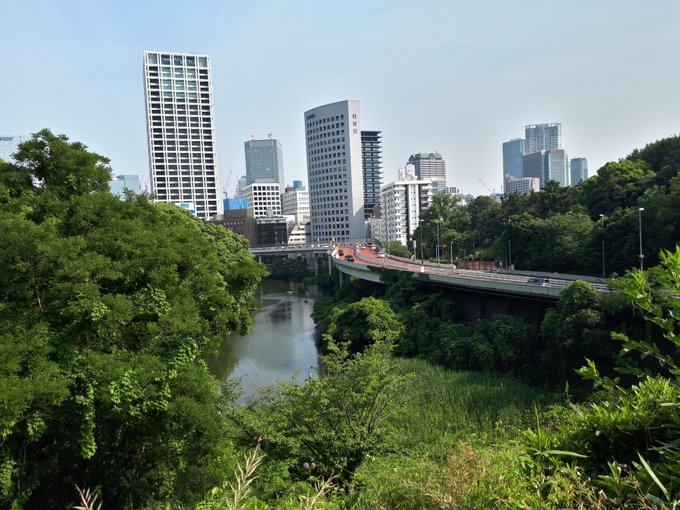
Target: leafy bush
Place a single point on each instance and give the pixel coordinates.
(626, 439)
(330, 425)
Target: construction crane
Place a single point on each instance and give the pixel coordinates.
(490, 190)
(224, 188)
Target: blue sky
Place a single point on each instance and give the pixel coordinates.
(459, 77)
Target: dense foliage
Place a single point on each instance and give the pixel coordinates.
(289, 268)
(625, 439)
(331, 424)
(426, 323)
(106, 307)
(563, 228)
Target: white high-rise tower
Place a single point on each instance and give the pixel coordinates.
(181, 130)
(335, 172)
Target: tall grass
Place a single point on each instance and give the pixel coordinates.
(444, 443)
(447, 406)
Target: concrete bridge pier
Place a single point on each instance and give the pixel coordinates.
(477, 306)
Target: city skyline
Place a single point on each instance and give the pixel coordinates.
(598, 70)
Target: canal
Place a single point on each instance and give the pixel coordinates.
(280, 344)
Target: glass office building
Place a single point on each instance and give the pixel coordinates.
(264, 162)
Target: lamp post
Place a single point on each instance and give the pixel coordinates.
(642, 256)
(422, 258)
(413, 241)
(602, 225)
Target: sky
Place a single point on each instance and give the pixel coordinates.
(457, 77)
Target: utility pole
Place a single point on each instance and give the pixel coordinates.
(642, 256)
(604, 274)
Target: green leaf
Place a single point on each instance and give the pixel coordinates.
(653, 476)
(564, 452)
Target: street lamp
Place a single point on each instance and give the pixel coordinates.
(422, 258)
(642, 257)
(437, 250)
(602, 225)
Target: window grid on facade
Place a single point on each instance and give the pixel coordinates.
(180, 125)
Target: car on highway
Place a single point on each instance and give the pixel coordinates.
(545, 282)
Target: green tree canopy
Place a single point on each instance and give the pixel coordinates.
(63, 168)
(616, 185)
(575, 329)
(331, 424)
(107, 306)
(398, 250)
(363, 323)
(561, 242)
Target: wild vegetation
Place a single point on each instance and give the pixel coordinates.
(108, 306)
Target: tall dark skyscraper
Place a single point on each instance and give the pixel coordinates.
(512, 160)
(579, 170)
(371, 156)
(264, 162)
(546, 165)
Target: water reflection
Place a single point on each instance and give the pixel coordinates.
(280, 344)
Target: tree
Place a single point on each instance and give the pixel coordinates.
(331, 424)
(107, 307)
(451, 219)
(285, 268)
(574, 330)
(398, 250)
(13, 182)
(624, 439)
(64, 168)
(485, 223)
(662, 156)
(363, 323)
(616, 185)
(562, 243)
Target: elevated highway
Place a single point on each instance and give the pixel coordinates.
(368, 265)
(483, 294)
